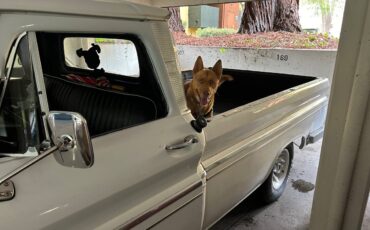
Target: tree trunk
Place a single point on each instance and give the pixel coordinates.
(287, 16)
(326, 22)
(258, 16)
(174, 22)
(270, 15)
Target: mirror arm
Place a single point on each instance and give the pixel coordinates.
(29, 163)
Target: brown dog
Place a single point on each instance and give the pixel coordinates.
(200, 91)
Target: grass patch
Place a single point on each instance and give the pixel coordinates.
(214, 32)
(104, 40)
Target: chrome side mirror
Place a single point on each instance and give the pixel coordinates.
(71, 130)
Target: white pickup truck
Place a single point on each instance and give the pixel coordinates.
(95, 132)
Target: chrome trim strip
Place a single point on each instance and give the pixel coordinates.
(177, 209)
(151, 212)
(203, 176)
(12, 59)
(234, 152)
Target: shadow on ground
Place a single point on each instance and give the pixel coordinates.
(243, 214)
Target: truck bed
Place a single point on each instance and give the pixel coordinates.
(249, 86)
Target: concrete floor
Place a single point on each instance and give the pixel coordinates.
(293, 209)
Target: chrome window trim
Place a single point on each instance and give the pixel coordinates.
(33, 51)
(39, 79)
(11, 58)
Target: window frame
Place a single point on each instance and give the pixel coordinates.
(144, 60)
(12, 54)
(9, 62)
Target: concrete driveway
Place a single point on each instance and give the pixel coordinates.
(293, 209)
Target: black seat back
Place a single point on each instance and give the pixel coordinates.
(105, 111)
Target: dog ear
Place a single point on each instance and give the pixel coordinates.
(225, 78)
(217, 68)
(198, 66)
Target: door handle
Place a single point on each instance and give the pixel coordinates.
(189, 140)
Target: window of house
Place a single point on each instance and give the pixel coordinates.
(116, 56)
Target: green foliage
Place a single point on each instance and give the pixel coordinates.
(316, 40)
(311, 37)
(308, 45)
(326, 7)
(323, 43)
(104, 40)
(222, 50)
(214, 32)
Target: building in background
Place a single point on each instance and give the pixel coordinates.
(213, 16)
(230, 15)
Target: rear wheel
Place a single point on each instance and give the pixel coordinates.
(275, 184)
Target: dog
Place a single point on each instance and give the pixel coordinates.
(200, 91)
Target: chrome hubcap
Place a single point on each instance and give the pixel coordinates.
(280, 169)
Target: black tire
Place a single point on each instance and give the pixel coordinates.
(271, 190)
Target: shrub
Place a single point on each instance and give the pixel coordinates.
(214, 32)
(311, 37)
(104, 40)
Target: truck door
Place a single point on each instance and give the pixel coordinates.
(137, 179)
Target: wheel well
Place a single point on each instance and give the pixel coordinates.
(290, 148)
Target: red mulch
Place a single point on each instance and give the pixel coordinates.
(262, 40)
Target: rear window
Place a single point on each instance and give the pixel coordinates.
(116, 56)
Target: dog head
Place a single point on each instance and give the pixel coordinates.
(206, 81)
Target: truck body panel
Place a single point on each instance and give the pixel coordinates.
(136, 181)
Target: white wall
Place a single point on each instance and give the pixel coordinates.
(317, 63)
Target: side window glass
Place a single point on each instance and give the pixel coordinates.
(117, 56)
(19, 126)
(8, 66)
